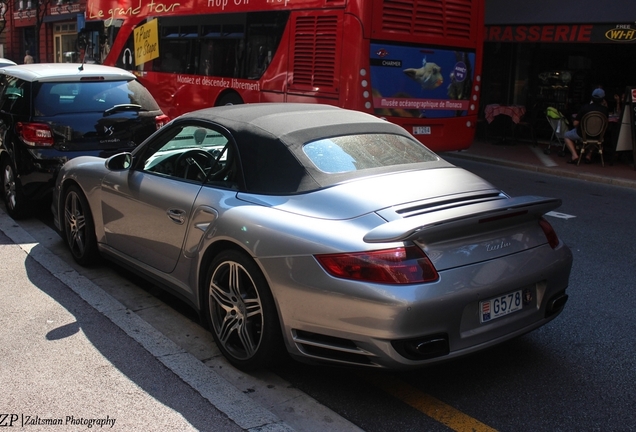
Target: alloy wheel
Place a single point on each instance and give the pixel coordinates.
(236, 310)
(9, 186)
(75, 224)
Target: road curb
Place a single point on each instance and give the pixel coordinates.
(555, 171)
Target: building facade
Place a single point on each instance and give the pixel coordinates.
(554, 53)
(61, 22)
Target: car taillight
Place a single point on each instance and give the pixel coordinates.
(161, 120)
(403, 265)
(550, 234)
(35, 134)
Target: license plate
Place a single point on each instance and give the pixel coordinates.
(421, 130)
(500, 306)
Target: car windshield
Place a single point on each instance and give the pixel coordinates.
(61, 98)
(358, 152)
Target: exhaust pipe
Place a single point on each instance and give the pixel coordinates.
(556, 304)
(423, 348)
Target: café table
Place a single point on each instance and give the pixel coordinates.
(514, 112)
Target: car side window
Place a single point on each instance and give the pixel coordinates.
(195, 154)
(15, 96)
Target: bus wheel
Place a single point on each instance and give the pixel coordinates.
(229, 99)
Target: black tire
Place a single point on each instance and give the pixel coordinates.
(241, 313)
(79, 227)
(15, 202)
(229, 99)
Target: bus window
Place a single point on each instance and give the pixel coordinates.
(220, 49)
(177, 49)
(230, 45)
(264, 31)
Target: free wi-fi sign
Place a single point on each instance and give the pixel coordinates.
(621, 34)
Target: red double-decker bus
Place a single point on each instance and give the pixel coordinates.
(416, 63)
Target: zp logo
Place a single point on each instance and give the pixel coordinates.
(7, 420)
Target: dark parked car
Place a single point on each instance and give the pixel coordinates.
(326, 233)
(50, 113)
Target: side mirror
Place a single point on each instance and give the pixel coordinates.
(119, 162)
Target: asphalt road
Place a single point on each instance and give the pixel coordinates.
(576, 373)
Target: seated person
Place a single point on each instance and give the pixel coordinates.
(597, 104)
(619, 101)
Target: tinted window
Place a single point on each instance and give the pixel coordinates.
(60, 98)
(15, 96)
(358, 152)
(239, 45)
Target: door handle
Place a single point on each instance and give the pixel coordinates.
(176, 215)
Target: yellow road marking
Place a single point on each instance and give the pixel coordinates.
(434, 408)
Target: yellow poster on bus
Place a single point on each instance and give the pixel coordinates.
(146, 42)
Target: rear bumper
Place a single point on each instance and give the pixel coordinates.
(369, 325)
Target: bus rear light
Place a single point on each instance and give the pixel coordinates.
(161, 120)
(35, 134)
(402, 265)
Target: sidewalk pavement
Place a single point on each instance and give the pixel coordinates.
(73, 358)
(618, 169)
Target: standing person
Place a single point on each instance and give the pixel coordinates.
(597, 104)
(28, 58)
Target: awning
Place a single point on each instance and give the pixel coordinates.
(61, 17)
(506, 12)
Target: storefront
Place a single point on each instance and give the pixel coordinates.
(56, 41)
(554, 53)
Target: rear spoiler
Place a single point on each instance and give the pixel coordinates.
(460, 218)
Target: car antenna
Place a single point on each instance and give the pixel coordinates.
(81, 66)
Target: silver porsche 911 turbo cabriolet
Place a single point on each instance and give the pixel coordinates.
(324, 233)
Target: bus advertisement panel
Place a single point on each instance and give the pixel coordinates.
(413, 62)
(426, 82)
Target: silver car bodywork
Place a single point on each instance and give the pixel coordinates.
(482, 243)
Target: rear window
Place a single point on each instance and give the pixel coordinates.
(358, 152)
(61, 98)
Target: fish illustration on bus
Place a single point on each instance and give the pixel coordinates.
(429, 76)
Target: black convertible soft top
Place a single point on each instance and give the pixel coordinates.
(270, 138)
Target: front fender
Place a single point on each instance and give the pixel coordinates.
(87, 172)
